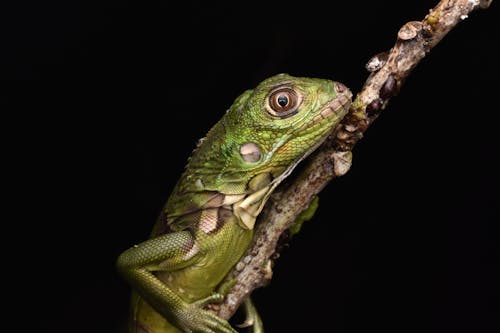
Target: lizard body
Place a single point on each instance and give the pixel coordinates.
(207, 223)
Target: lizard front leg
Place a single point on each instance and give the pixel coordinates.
(165, 253)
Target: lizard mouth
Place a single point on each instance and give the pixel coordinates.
(337, 106)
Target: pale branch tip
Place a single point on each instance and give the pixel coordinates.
(388, 71)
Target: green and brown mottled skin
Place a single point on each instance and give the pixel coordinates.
(208, 221)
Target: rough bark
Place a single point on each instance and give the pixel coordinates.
(388, 72)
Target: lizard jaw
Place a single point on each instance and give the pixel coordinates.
(337, 106)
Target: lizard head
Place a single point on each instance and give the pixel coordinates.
(265, 133)
(280, 121)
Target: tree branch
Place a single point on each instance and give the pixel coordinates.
(333, 159)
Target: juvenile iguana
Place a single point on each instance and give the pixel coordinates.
(208, 221)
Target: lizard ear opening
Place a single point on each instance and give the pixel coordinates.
(250, 152)
(283, 102)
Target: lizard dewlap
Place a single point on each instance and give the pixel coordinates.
(208, 220)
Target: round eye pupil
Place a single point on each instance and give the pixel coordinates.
(282, 100)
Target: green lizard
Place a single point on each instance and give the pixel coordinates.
(208, 221)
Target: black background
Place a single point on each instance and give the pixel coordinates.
(103, 103)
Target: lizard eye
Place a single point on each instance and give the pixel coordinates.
(283, 102)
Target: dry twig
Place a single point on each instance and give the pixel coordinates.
(388, 72)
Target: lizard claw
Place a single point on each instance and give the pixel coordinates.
(214, 298)
(252, 318)
(247, 323)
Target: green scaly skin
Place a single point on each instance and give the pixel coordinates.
(208, 221)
